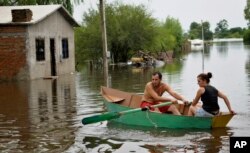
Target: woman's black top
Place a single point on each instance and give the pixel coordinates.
(210, 99)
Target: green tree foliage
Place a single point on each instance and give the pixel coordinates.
(236, 32)
(129, 28)
(208, 35)
(247, 12)
(195, 31)
(88, 38)
(246, 37)
(174, 33)
(66, 3)
(221, 31)
(164, 40)
(169, 35)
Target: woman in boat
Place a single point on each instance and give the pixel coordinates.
(153, 95)
(209, 97)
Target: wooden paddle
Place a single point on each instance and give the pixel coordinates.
(113, 115)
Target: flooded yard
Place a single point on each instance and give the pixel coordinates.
(45, 115)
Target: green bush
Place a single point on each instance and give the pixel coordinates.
(246, 37)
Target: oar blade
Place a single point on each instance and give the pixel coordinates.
(114, 115)
(99, 118)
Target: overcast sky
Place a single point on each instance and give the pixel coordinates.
(186, 11)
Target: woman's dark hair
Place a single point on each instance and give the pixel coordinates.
(157, 73)
(205, 76)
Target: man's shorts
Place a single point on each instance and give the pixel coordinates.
(162, 109)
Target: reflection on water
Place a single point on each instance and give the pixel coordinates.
(125, 138)
(101, 145)
(45, 115)
(222, 47)
(37, 115)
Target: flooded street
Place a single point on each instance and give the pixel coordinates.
(45, 115)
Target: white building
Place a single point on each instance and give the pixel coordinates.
(36, 42)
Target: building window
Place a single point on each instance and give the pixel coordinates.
(65, 48)
(40, 52)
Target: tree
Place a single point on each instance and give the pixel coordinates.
(169, 35)
(195, 31)
(129, 28)
(164, 41)
(221, 31)
(236, 32)
(247, 12)
(66, 3)
(134, 30)
(174, 29)
(246, 37)
(88, 38)
(208, 35)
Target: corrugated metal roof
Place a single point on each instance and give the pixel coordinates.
(39, 12)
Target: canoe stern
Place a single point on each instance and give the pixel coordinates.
(221, 120)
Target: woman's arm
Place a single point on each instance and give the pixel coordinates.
(224, 97)
(198, 96)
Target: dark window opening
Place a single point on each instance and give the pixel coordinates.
(65, 48)
(40, 52)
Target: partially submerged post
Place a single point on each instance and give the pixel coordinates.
(202, 33)
(104, 43)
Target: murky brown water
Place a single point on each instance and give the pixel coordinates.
(45, 115)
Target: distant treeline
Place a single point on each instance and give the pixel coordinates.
(221, 31)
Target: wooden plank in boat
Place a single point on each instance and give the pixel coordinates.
(113, 98)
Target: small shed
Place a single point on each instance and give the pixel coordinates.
(36, 41)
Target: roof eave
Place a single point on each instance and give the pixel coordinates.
(59, 8)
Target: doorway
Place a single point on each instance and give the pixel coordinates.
(52, 57)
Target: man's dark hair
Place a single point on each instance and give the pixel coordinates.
(158, 73)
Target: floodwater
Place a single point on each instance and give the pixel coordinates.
(45, 115)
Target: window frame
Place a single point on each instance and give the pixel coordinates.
(65, 48)
(40, 49)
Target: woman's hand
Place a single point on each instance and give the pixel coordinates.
(232, 112)
(186, 102)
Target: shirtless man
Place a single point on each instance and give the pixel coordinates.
(153, 95)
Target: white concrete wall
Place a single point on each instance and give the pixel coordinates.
(54, 26)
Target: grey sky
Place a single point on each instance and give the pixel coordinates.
(186, 11)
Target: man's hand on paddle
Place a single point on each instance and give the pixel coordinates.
(174, 101)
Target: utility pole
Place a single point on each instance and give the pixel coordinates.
(104, 43)
(202, 33)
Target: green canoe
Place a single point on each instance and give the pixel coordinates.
(118, 101)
